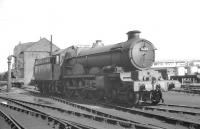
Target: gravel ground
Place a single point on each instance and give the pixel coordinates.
(3, 124)
(140, 119)
(27, 121)
(172, 97)
(17, 93)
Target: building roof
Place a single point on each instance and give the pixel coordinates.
(21, 47)
(32, 46)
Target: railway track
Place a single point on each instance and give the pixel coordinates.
(146, 112)
(181, 106)
(11, 123)
(31, 118)
(175, 110)
(172, 119)
(193, 111)
(177, 121)
(99, 116)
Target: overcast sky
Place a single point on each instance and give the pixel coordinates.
(173, 26)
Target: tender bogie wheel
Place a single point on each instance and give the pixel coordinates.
(43, 88)
(80, 83)
(53, 88)
(86, 94)
(47, 88)
(39, 87)
(78, 94)
(90, 95)
(136, 98)
(98, 94)
(108, 97)
(64, 90)
(114, 95)
(130, 96)
(50, 88)
(69, 93)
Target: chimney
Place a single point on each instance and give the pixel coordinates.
(133, 34)
(98, 41)
(51, 45)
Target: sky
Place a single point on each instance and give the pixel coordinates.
(173, 26)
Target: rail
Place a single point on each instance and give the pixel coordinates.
(13, 124)
(38, 114)
(99, 116)
(168, 119)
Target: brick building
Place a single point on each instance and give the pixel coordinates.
(26, 54)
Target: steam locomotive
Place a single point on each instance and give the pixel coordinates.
(114, 73)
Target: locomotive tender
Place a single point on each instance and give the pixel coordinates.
(111, 73)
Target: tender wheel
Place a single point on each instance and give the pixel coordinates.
(98, 95)
(111, 96)
(83, 93)
(114, 95)
(136, 98)
(39, 87)
(47, 88)
(69, 93)
(42, 88)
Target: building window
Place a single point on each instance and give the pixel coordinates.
(57, 59)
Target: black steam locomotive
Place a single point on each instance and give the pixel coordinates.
(117, 73)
